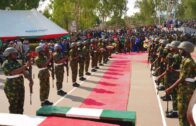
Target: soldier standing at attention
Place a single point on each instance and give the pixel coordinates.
(86, 50)
(175, 65)
(81, 61)
(59, 60)
(74, 63)
(14, 84)
(105, 53)
(96, 48)
(43, 75)
(185, 83)
(100, 45)
(94, 55)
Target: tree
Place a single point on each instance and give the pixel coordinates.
(187, 9)
(81, 11)
(147, 12)
(113, 10)
(19, 4)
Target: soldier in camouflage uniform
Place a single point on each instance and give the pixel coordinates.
(172, 67)
(81, 61)
(96, 48)
(186, 82)
(14, 84)
(159, 62)
(93, 55)
(105, 53)
(74, 57)
(59, 61)
(163, 77)
(100, 46)
(42, 63)
(86, 50)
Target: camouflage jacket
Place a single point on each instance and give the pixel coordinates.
(58, 56)
(86, 52)
(39, 61)
(73, 53)
(10, 65)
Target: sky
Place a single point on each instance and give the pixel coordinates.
(131, 10)
(130, 6)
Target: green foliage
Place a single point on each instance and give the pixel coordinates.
(47, 13)
(147, 14)
(81, 11)
(187, 9)
(19, 4)
(87, 13)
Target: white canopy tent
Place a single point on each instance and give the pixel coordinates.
(27, 24)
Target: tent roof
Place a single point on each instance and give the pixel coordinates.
(27, 24)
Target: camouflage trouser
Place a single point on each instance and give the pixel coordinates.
(59, 72)
(43, 76)
(100, 57)
(174, 78)
(81, 68)
(87, 62)
(105, 56)
(94, 60)
(174, 99)
(14, 90)
(74, 69)
(97, 58)
(183, 98)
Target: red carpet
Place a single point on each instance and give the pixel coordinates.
(56, 121)
(112, 91)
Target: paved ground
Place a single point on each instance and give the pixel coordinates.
(142, 97)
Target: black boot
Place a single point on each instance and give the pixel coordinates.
(172, 114)
(96, 67)
(161, 88)
(61, 93)
(166, 98)
(93, 70)
(76, 85)
(87, 73)
(82, 78)
(45, 103)
(100, 64)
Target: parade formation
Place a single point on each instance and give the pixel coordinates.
(102, 42)
(168, 52)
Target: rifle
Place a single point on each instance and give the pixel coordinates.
(67, 69)
(30, 78)
(66, 64)
(52, 70)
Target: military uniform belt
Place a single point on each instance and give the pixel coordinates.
(14, 76)
(44, 68)
(58, 64)
(190, 80)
